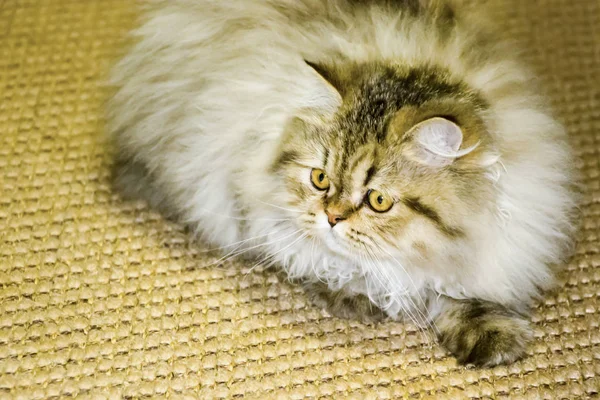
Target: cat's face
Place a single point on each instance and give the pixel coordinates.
(404, 181)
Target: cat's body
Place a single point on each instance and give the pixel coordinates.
(248, 119)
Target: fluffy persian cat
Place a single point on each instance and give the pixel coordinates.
(392, 155)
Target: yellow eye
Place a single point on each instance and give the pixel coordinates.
(379, 202)
(319, 179)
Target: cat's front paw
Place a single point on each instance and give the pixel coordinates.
(484, 334)
(340, 304)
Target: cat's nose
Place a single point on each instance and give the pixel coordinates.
(333, 219)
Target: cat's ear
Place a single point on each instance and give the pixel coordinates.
(329, 74)
(436, 142)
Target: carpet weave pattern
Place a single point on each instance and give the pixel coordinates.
(104, 299)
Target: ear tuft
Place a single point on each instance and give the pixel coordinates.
(329, 74)
(437, 142)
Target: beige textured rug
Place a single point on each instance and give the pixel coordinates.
(104, 299)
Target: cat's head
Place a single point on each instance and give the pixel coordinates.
(401, 166)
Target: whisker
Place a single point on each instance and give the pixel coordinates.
(418, 317)
(240, 242)
(363, 260)
(429, 323)
(279, 207)
(422, 320)
(204, 210)
(312, 259)
(410, 309)
(277, 252)
(425, 320)
(233, 253)
(374, 260)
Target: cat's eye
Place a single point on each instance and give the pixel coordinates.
(378, 201)
(319, 179)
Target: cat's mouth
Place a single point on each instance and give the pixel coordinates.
(338, 244)
(333, 238)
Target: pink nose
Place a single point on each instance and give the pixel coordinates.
(333, 219)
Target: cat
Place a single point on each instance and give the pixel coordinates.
(393, 156)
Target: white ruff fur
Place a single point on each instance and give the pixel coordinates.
(205, 93)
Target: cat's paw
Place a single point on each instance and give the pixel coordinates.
(341, 305)
(485, 335)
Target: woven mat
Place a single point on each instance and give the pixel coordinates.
(104, 299)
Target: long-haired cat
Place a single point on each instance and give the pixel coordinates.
(391, 155)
